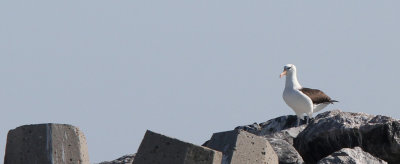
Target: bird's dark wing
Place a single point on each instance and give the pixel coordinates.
(317, 96)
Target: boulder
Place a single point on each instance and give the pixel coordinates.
(333, 130)
(239, 146)
(274, 125)
(281, 123)
(46, 144)
(159, 149)
(348, 155)
(287, 154)
(126, 159)
(284, 127)
(280, 132)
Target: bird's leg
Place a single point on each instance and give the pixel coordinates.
(309, 117)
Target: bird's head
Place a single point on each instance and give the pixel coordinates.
(288, 69)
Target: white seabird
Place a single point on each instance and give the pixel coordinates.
(302, 100)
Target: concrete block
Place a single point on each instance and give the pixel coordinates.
(241, 147)
(46, 144)
(159, 149)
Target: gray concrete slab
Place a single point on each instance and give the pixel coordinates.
(159, 149)
(46, 144)
(241, 147)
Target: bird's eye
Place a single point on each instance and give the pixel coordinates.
(289, 68)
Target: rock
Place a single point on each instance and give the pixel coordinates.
(253, 128)
(287, 154)
(156, 149)
(126, 159)
(239, 146)
(333, 130)
(288, 134)
(280, 123)
(284, 127)
(46, 144)
(280, 132)
(347, 155)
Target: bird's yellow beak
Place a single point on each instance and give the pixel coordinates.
(282, 74)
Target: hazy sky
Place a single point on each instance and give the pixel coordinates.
(188, 69)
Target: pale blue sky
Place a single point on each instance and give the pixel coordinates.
(188, 69)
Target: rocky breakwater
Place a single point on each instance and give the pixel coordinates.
(331, 137)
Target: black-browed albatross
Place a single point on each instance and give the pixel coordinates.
(302, 100)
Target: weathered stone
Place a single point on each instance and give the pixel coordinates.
(347, 155)
(333, 130)
(281, 123)
(159, 149)
(240, 147)
(126, 159)
(253, 128)
(284, 127)
(288, 134)
(280, 132)
(46, 144)
(287, 154)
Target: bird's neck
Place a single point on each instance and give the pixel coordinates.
(291, 81)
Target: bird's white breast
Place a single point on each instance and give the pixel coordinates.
(298, 101)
